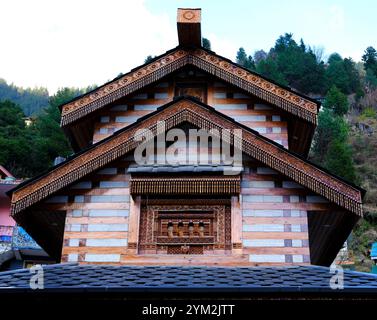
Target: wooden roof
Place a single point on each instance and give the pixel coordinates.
(203, 116)
(47, 227)
(77, 115)
(220, 67)
(258, 283)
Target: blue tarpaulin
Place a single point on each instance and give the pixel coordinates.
(373, 251)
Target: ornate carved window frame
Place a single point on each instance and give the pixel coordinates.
(222, 228)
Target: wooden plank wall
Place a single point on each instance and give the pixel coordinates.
(269, 121)
(270, 218)
(272, 227)
(274, 216)
(264, 118)
(96, 228)
(129, 110)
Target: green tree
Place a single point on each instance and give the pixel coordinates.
(338, 160)
(285, 41)
(11, 115)
(259, 56)
(206, 44)
(15, 140)
(370, 59)
(329, 128)
(50, 139)
(244, 60)
(343, 74)
(29, 150)
(336, 74)
(336, 101)
(334, 57)
(148, 59)
(31, 100)
(330, 144)
(269, 69)
(295, 65)
(330, 148)
(371, 79)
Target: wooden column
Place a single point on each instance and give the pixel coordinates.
(133, 223)
(210, 93)
(236, 213)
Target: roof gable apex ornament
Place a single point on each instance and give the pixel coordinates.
(189, 28)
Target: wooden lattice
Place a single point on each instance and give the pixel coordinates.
(185, 250)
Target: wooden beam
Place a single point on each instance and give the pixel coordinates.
(188, 25)
(236, 224)
(133, 225)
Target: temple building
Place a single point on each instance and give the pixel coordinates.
(140, 189)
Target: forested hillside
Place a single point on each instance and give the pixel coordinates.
(27, 150)
(345, 141)
(30, 100)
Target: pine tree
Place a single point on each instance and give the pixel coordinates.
(343, 74)
(338, 160)
(370, 59)
(336, 101)
(206, 44)
(244, 60)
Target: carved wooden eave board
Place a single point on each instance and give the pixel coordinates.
(220, 67)
(175, 113)
(223, 185)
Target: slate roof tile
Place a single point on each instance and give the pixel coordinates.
(66, 277)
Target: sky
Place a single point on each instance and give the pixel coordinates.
(76, 43)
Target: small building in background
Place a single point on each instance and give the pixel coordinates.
(28, 121)
(344, 257)
(7, 182)
(17, 248)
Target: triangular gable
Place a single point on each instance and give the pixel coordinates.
(222, 68)
(203, 116)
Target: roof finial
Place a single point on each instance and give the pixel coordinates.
(188, 25)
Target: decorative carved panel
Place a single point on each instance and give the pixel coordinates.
(197, 90)
(184, 229)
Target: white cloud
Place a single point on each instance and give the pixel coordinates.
(78, 43)
(222, 46)
(336, 18)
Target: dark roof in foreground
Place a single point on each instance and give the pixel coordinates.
(133, 279)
